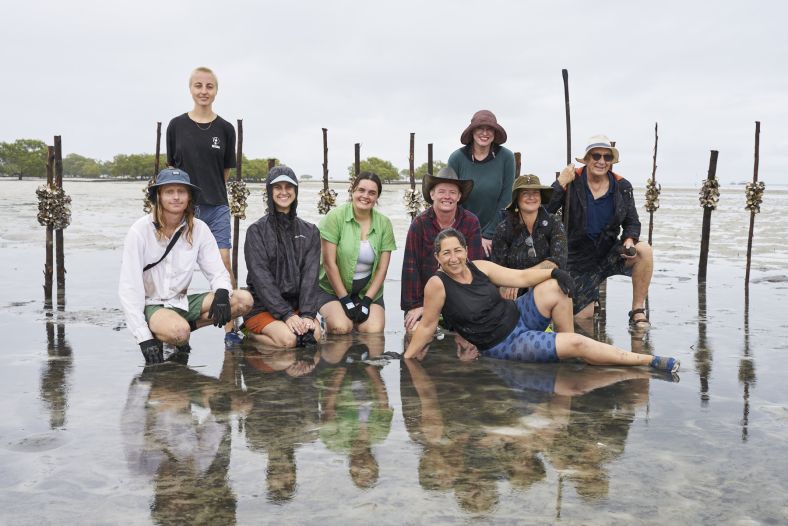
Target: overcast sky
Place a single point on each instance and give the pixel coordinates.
(101, 73)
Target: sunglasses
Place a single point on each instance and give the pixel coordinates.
(608, 157)
(529, 242)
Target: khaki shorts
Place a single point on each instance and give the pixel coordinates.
(195, 307)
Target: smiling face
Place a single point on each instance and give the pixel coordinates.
(283, 195)
(445, 197)
(203, 87)
(599, 167)
(452, 256)
(529, 200)
(174, 198)
(483, 136)
(365, 195)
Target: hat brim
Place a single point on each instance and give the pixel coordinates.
(430, 181)
(153, 190)
(466, 137)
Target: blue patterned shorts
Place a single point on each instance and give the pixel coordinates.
(527, 342)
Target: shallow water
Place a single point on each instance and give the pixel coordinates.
(342, 435)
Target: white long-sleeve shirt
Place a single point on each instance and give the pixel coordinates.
(166, 283)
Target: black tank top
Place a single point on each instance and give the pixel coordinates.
(477, 311)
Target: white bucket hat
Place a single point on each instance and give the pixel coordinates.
(599, 141)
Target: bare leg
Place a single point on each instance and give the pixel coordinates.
(169, 327)
(336, 321)
(225, 253)
(275, 334)
(642, 270)
(596, 353)
(376, 321)
(553, 303)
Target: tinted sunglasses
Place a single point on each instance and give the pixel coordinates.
(607, 156)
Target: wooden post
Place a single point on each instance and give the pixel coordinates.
(429, 159)
(654, 181)
(565, 211)
(59, 252)
(517, 164)
(48, 262)
(411, 169)
(325, 158)
(156, 166)
(357, 160)
(237, 220)
(704, 240)
(703, 353)
(752, 212)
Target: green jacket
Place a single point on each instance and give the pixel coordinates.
(340, 228)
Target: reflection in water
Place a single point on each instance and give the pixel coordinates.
(746, 368)
(703, 353)
(176, 431)
(509, 421)
(354, 406)
(55, 374)
(281, 413)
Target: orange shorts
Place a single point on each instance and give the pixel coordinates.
(259, 321)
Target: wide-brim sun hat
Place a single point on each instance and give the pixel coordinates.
(483, 118)
(529, 182)
(599, 141)
(445, 175)
(172, 176)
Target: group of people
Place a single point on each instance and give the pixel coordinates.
(487, 259)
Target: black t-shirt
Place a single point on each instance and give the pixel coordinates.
(204, 151)
(477, 311)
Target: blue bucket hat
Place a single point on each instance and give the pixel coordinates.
(172, 176)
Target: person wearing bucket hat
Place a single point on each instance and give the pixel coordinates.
(490, 166)
(160, 252)
(528, 237)
(282, 253)
(604, 229)
(445, 192)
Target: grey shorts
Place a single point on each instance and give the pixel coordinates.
(218, 220)
(587, 283)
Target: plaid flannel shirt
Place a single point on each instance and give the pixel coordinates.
(419, 263)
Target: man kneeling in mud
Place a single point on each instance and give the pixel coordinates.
(159, 255)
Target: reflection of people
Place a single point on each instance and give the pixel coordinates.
(282, 254)
(357, 242)
(466, 294)
(176, 431)
(203, 144)
(601, 207)
(355, 409)
(444, 192)
(159, 256)
(491, 168)
(528, 237)
(282, 416)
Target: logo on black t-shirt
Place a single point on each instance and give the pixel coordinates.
(216, 143)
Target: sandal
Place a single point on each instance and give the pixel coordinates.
(637, 323)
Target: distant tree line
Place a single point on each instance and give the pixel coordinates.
(28, 158)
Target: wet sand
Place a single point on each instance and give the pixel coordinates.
(88, 436)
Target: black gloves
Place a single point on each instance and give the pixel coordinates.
(362, 309)
(349, 306)
(220, 308)
(565, 281)
(308, 338)
(152, 351)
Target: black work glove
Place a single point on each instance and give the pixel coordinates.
(363, 308)
(152, 351)
(308, 338)
(220, 308)
(565, 281)
(349, 306)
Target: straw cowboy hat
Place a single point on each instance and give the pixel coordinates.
(445, 175)
(172, 176)
(483, 118)
(599, 141)
(529, 182)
